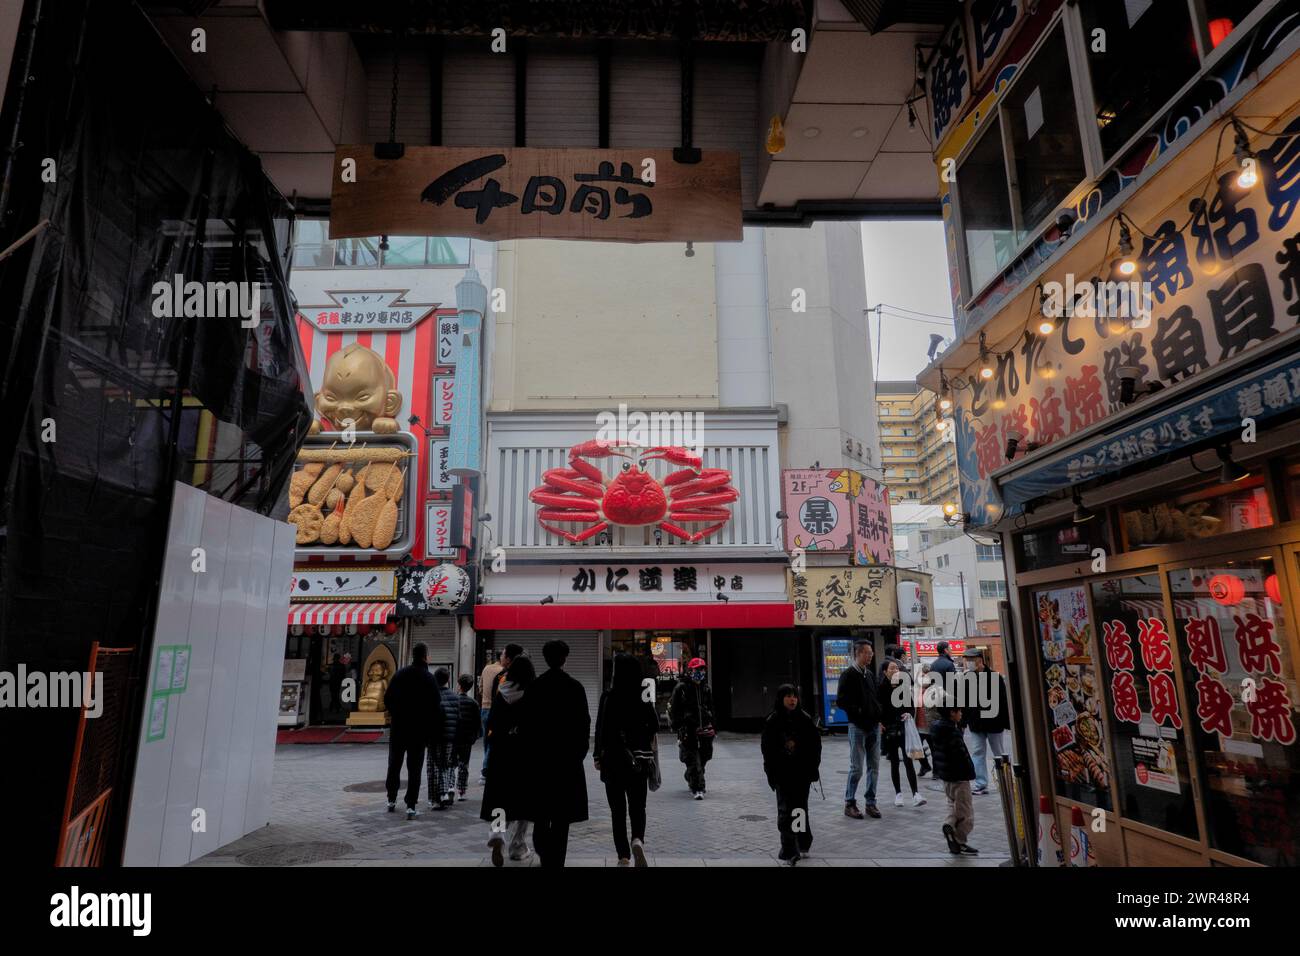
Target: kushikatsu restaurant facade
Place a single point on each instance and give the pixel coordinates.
(1136, 446)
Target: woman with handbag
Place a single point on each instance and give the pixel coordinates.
(792, 756)
(626, 755)
(895, 715)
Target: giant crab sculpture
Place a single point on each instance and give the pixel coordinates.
(633, 498)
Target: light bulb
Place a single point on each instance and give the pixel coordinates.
(945, 404)
(1248, 177)
(949, 509)
(1046, 327)
(1127, 267)
(986, 372)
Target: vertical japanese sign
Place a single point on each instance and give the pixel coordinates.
(444, 399)
(439, 459)
(949, 79)
(1073, 703)
(438, 530)
(448, 341)
(873, 529)
(847, 597)
(636, 195)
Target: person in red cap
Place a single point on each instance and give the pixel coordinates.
(690, 712)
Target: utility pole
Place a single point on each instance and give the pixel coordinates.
(965, 624)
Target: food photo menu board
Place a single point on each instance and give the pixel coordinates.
(1074, 703)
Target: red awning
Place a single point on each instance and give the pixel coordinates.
(341, 613)
(545, 617)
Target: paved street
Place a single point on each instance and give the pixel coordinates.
(317, 820)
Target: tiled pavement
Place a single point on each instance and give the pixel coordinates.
(315, 819)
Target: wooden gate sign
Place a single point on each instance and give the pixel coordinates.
(624, 195)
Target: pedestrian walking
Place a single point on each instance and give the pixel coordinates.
(626, 727)
(922, 713)
(506, 790)
(987, 717)
(412, 705)
(442, 745)
(690, 714)
(488, 682)
(895, 710)
(792, 756)
(859, 699)
(557, 733)
(338, 671)
(467, 731)
(952, 765)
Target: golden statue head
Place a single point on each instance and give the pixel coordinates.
(377, 671)
(359, 385)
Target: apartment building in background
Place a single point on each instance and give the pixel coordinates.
(919, 458)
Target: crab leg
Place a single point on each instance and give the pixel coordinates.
(691, 536)
(576, 538)
(708, 478)
(562, 479)
(702, 514)
(542, 496)
(717, 498)
(567, 514)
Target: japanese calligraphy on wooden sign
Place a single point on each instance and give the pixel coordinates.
(847, 597)
(634, 195)
(351, 583)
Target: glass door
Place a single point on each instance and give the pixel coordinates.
(1238, 665)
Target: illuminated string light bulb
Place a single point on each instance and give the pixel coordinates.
(1126, 264)
(986, 361)
(1046, 322)
(775, 136)
(949, 509)
(1249, 175)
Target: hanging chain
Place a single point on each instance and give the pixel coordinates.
(392, 115)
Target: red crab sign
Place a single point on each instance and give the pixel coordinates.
(633, 498)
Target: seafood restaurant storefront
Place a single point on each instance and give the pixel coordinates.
(1142, 465)
(562, 560)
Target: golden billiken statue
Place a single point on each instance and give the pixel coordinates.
(358, 386)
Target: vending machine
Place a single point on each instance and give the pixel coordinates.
(835, 657)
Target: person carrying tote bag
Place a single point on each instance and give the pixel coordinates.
(626, 754)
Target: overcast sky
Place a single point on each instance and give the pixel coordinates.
(907, 269)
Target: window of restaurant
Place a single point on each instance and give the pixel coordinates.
(1148, 53)
(1208, 509)
(1059, 544)
(1239, 673)
(1071, 688)
(1146, 723)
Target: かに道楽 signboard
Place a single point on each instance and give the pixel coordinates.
(632, 195)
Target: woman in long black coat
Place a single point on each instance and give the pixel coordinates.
(792, 756)
(505, 794)
(626, 726)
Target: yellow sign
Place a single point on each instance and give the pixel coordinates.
(844, 597)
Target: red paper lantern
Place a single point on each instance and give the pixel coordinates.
(1273, 588)
(1227, 589)
(390, 627)
(363, 629)
(1219, 30)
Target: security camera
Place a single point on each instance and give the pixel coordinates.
(1014, 438)
(1128, 376)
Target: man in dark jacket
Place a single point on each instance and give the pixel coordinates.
(952, 765)
(442, 746)
(467, 731)
(987, 716)
(412, 705)
(943, 675)
(792, 755)
(557, 735)
(690, 714)
(858, 698)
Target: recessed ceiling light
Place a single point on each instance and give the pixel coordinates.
(811, 131)
(858, 133)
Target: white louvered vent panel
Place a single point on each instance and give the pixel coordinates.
(478, 99)
(412, 97)
(726, 112)
(645, 106)
(563, 100)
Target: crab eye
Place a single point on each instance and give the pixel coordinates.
(641, 462)
(627, 465)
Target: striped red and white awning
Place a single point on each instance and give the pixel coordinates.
(342, 613)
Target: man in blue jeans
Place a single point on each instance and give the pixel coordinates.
(858, 698)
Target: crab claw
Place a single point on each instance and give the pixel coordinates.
(595, 449)
(674, 455)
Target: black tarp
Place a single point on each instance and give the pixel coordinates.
(150, 184)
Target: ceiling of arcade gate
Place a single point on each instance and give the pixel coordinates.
(295, 78)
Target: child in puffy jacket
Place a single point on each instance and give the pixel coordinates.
(953, 765)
